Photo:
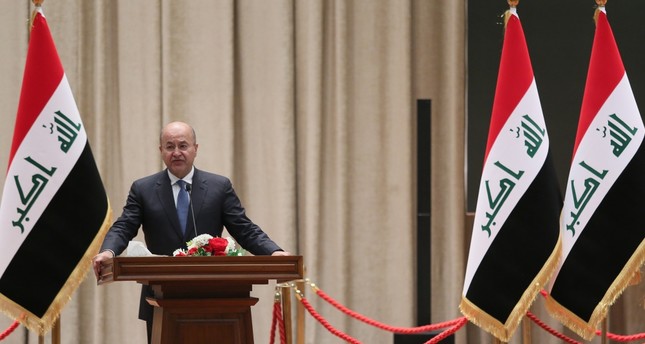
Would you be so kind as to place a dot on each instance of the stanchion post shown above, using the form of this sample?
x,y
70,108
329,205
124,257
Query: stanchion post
x,y
497,341
526,330
605,323
286,312
56,332
300,316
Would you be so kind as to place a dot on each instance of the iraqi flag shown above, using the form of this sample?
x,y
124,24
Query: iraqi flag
x,y
54,211
602,227
515,240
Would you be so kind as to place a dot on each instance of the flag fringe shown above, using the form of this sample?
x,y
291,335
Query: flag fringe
x,y
45,324
587,330
505,331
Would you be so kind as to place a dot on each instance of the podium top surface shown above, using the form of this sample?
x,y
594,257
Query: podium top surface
x,y
161,269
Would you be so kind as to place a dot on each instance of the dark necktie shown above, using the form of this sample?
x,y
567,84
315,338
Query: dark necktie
x,y
182,205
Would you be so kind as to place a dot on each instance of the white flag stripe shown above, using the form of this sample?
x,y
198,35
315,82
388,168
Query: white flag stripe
x,y
595,155
33,165
510,151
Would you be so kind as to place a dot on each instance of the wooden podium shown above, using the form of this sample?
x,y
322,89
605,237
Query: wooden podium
x,y
202,299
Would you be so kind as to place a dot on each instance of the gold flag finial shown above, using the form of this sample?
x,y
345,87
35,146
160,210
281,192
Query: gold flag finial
x,y
600,3
37,3
507,14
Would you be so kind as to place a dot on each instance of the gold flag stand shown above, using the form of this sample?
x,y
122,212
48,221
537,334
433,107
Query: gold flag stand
x,y
55,334
605,327
526,330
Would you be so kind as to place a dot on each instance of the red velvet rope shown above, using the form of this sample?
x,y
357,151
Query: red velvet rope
x,y
9,330
277,321
550,330
326,324
274,321
444,334
612,336
403,330
622,338
283,335
451,325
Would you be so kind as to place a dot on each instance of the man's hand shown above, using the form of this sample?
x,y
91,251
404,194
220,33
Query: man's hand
x,y
98,260
281,253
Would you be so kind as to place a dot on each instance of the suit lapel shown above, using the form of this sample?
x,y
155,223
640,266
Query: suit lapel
x,y
199,189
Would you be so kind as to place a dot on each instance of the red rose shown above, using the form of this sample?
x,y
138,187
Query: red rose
x,y
218,246
192,251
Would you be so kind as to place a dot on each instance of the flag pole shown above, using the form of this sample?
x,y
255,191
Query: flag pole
x,y
55,336
604,326
526,325
512,4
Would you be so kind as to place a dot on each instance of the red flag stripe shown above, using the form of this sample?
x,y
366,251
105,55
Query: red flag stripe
x,y
41,78
514,79
605,72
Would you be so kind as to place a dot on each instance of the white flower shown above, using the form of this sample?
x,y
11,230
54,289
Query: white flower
x,y
199,241
231,244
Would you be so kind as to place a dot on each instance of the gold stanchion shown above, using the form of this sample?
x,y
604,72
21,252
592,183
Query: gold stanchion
x,y
300,316
497,341
605,325
526,330
286,312
56,332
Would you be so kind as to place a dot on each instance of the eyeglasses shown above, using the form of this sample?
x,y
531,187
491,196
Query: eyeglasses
x,y
182,147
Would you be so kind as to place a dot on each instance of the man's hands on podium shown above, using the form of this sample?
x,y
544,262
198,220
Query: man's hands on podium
x,y
98,260
280,253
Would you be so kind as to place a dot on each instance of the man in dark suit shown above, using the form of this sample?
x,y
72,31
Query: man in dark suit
x,y
152,204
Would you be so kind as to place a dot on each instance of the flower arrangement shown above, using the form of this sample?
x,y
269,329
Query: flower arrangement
x,y
207,245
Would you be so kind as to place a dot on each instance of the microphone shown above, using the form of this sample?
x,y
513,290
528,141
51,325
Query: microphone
x,y
192,211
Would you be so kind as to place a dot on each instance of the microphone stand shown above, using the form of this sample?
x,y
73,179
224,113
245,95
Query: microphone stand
x,y
192,210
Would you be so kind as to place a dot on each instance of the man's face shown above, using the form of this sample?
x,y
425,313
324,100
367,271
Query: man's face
x,y
178,148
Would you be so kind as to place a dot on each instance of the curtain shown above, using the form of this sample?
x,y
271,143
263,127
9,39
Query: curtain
x,y
309,106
